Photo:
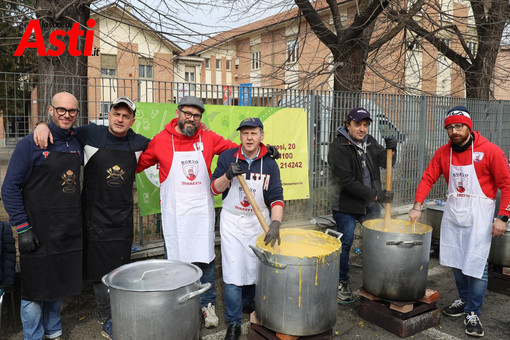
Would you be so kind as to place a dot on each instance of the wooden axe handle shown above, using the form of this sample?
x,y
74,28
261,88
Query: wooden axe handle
x,y
256,208
387,206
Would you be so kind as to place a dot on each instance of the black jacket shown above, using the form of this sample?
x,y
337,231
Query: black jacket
x,y
349,194
7,256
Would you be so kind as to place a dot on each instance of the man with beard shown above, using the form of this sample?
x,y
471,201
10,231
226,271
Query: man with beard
x,y
184,152
354,159
474,169
41,194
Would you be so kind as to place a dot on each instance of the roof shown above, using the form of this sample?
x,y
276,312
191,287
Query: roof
x,y
125,15
265,23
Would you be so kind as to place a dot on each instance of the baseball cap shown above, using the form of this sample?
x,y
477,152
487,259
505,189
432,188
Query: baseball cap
x,y
126,101
251,122
458,114
191,101
358,115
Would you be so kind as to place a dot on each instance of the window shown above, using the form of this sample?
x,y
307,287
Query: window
x,y
189,76
207,63
105,108
218,63
228,65
108,65
292,50
146,71
255,60
108,72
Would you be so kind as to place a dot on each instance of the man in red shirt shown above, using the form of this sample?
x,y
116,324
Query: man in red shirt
x,y
474,169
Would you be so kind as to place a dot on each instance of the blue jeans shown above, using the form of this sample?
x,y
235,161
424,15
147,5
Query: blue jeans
x,y
471,289
346,223
208,275
235,298
41,319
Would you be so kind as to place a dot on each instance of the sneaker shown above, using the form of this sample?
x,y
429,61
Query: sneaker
x,y
456,308
211,320
107,331
344,293
233,332
473,325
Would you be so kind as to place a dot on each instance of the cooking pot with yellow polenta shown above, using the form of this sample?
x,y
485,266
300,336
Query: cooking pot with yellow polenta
x,y
396,260
296,289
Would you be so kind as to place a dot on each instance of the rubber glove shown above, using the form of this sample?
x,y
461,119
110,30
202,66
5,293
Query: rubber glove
x,y
27,241
273,234
391,143
273,152
385,196
233,170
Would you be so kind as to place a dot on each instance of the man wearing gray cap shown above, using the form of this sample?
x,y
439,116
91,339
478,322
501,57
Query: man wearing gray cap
x,y
184,152
110,157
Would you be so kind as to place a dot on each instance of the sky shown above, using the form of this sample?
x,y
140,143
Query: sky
x,y
190,22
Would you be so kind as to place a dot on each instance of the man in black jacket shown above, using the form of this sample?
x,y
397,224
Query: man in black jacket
x,y
354,159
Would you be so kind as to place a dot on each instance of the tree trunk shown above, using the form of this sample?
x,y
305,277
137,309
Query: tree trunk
x,y
64,72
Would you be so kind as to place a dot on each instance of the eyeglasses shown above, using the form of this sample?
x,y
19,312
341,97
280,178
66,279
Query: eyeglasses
x,y
457,127
61,111
188,115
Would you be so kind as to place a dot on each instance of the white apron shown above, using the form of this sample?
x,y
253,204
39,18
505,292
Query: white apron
x,y
466,225
187,208
239,228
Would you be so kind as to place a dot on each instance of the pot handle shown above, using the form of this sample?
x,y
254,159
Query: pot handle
x,y
263,258
412,243
203,288
334,232
152,271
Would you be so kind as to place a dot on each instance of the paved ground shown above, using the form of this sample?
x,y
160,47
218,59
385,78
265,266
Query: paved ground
x,y
79,318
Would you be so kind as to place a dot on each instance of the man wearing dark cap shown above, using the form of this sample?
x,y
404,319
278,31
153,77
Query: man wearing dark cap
x,y
354,159
239,226
110,158
474,169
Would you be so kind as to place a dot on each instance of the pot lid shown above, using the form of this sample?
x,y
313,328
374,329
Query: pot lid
x,y
153,275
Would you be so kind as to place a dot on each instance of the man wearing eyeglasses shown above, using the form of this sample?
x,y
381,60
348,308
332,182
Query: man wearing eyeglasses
x,y
111,155
184,153
474,169
41,194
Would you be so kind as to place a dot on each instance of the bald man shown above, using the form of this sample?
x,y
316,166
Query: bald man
x,y
41,194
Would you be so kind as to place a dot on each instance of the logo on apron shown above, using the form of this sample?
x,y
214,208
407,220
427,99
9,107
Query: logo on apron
x,y
69,182
114,178
477,156
243,199
460,181
190,169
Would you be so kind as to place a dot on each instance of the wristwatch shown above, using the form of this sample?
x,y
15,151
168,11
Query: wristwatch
x,y
503,218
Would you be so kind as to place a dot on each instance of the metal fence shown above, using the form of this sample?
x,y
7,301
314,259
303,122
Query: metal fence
x,y
416,121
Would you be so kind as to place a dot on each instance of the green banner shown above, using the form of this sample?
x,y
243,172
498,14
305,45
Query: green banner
x,y
283,127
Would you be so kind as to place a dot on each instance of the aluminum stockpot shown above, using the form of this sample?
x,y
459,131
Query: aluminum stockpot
x,y
296,294
155,299
500,250
395,262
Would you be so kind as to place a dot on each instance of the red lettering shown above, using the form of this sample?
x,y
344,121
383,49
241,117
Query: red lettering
x,y
33,25
55,40
59,44
89,38
73,34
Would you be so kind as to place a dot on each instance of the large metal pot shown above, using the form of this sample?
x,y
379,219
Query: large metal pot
x,y
155,299
500,250
296,295
395,262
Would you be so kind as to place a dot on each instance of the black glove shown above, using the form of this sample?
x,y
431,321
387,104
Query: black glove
x,y
273,152
233,170
391,143
27,241
385,196
273,234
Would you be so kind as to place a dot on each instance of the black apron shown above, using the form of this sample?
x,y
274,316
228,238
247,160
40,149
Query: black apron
x,y
52,202
107,211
